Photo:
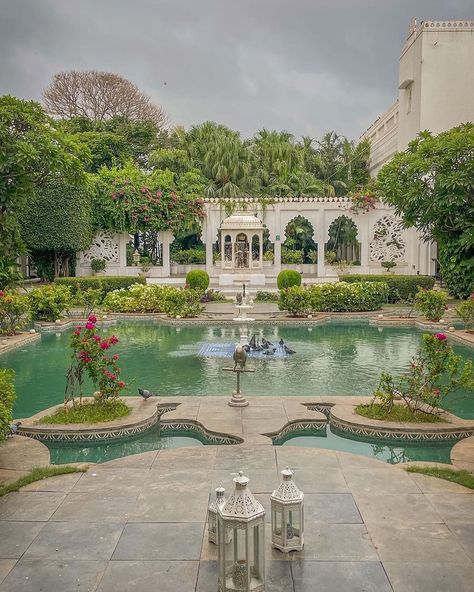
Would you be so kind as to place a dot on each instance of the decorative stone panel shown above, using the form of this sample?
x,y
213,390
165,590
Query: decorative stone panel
x,y
104,246
387,242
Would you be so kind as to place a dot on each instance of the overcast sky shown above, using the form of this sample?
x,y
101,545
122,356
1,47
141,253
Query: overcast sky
x,y
306,66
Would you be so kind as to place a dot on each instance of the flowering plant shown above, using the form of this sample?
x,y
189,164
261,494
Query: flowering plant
x,y
431,303
14,312
465,311
434,373
91,356
363,202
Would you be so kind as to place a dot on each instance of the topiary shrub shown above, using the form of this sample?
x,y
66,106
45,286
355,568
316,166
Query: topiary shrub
x,y
288,278
98,265
265,296
465,311
345,297
7,397
49,303
197,279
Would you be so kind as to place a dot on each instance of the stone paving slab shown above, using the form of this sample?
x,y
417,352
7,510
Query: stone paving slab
x,y
140,523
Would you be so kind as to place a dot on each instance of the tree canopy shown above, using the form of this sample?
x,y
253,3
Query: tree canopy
x,y
431,186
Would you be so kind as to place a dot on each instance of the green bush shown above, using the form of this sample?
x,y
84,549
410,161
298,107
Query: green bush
x,y
14,312
345,297
49,303
465,311
106,283
197,279
431,303
292,257
7,397
264,296
288,278
155,298
296,300
401,288
189,256
88,300
334,297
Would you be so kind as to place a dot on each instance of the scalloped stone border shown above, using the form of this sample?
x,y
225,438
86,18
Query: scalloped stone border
x,y
297,425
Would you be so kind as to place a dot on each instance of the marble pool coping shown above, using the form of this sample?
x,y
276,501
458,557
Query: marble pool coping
x,y
265,420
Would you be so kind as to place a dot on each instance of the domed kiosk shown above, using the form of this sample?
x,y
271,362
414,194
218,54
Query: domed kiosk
x,y
242,242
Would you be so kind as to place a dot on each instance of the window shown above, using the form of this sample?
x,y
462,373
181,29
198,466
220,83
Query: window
x,y
408,97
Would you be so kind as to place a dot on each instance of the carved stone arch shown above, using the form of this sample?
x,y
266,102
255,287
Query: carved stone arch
x,y
387,242
299,235
343,239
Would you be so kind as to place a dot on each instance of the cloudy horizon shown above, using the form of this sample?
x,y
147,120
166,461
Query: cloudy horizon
x,y
306,66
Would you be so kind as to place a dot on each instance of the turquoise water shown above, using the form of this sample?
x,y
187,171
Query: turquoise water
x,y
332,359
390,452
102,452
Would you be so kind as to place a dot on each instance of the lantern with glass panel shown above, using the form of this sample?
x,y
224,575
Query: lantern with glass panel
x,y
241,539
287,515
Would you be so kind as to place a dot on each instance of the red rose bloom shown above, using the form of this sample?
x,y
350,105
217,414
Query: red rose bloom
x,y
90,326
440,336
104,345
92,319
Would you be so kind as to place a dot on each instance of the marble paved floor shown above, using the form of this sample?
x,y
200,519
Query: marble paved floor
x,y
139,523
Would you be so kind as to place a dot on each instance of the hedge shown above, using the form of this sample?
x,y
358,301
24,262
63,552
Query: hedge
x,y
400,287
334,297
107,283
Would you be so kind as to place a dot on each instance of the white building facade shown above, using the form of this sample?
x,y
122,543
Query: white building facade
x,y
435,87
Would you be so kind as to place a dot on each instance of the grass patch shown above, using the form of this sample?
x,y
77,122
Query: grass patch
x,y
397,413
88,412
37,474
461,477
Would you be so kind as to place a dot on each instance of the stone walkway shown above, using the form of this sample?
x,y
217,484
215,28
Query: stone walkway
x,y
139,523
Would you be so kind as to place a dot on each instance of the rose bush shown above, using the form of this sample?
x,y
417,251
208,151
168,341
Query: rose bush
x,y
91,357
49,303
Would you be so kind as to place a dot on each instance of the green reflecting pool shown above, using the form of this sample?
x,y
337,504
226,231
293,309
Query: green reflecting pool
x,y
100,452
391,452
332,359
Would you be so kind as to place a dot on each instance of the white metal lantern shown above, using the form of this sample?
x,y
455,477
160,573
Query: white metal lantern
x,y
287,515
212,514
241,540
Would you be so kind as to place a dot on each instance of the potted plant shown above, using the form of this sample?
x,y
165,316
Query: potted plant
x,y
268,258
388,265
145,265
98,266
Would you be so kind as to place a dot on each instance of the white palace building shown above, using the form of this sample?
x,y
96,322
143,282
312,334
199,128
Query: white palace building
x,y
435,92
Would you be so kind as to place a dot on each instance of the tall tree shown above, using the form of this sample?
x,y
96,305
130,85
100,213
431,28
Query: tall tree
x,y
99,96
32,152
431,185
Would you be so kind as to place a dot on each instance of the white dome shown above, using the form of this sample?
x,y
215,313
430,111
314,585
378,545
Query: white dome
x,y
240,221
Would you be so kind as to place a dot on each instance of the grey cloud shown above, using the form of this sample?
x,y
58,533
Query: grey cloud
x,y
306,66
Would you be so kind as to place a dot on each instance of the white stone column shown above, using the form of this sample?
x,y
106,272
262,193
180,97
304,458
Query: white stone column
x,y
167,238
209,261
261,249
364,239
321,240
277,243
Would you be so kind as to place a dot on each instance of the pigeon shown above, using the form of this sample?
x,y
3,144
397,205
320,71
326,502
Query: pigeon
x,y
14,428
266,343
146,394
240,357
281,343
269,352
246,348
288,350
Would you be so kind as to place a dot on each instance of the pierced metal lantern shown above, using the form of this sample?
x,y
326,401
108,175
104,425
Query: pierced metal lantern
x,y
287,515
241,539
212,514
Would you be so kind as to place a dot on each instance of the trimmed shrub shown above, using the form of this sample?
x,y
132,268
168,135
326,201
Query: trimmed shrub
x,y
106,283
14,312
98,265
7,397
49,303
288,278
189,256
401,288
197,279
292,257
296,300
465,311
431,303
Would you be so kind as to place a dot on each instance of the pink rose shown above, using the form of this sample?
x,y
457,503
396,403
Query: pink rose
x,y
96,338
2,294
440,336
90,326
104,345
113,340
92,319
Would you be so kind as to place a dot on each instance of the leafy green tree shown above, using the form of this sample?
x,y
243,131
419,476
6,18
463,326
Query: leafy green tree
x,y
56,223
32,152
431,185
